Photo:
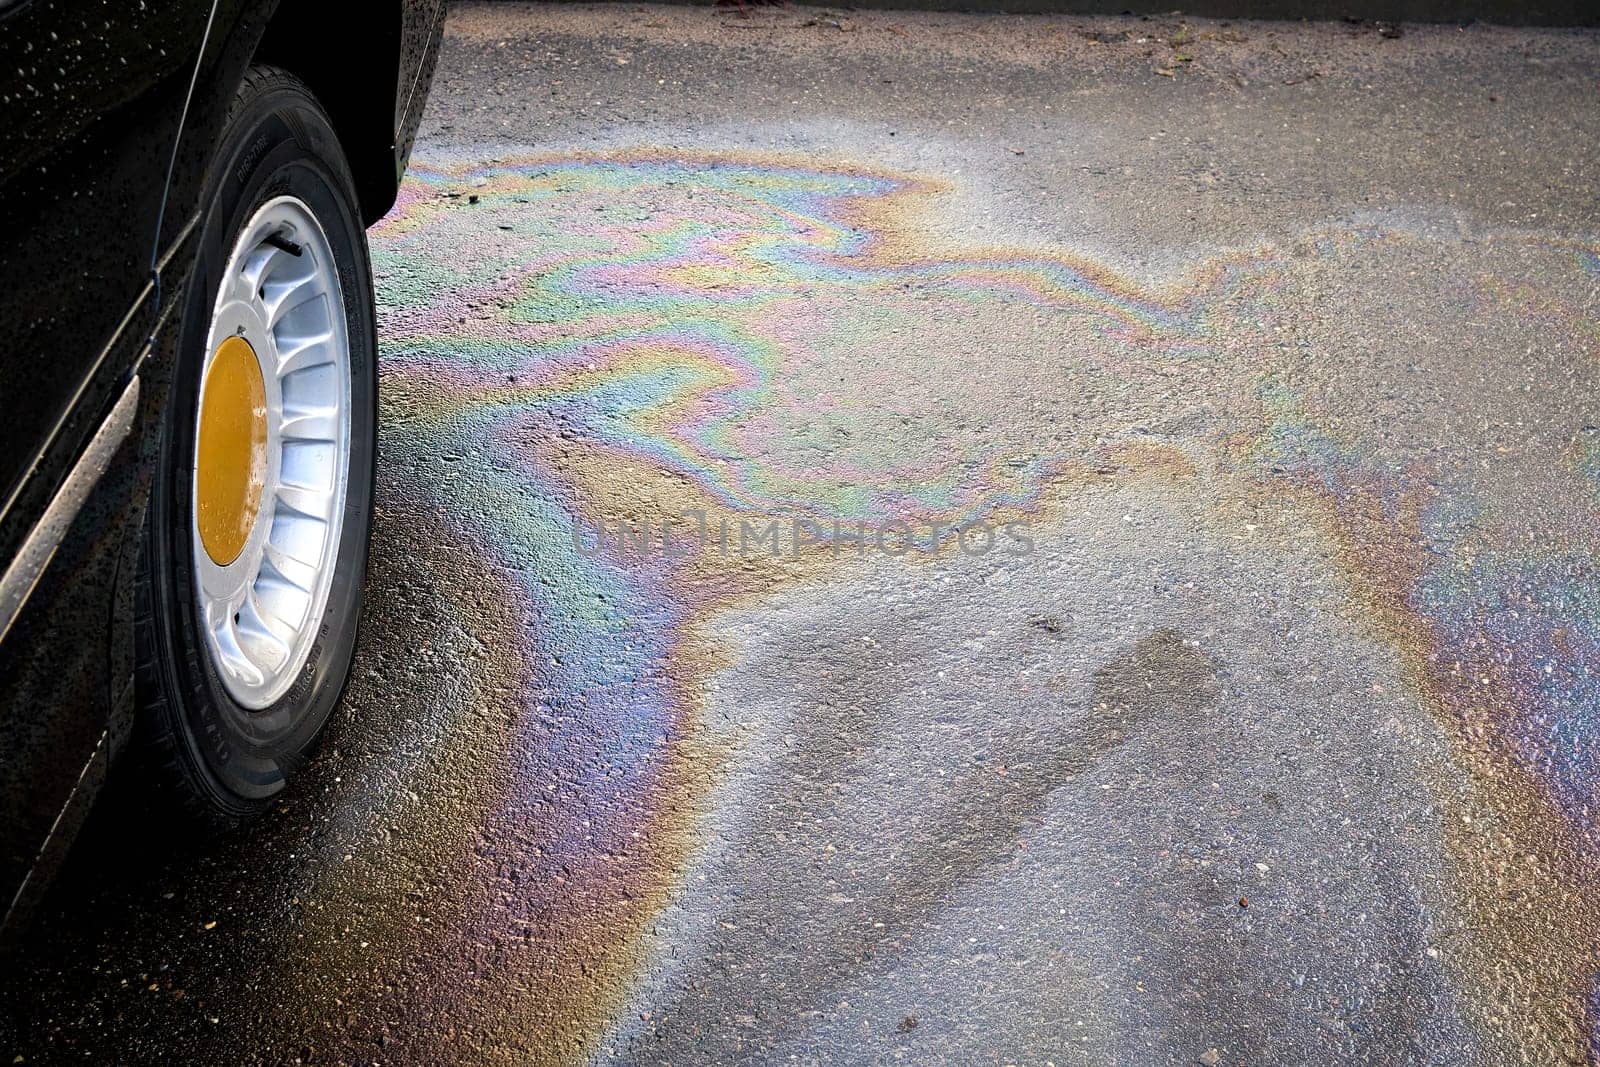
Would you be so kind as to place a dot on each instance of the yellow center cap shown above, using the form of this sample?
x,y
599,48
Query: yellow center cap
x,y
230,465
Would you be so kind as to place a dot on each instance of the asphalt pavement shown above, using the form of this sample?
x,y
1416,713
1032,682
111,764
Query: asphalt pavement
x,y
943,539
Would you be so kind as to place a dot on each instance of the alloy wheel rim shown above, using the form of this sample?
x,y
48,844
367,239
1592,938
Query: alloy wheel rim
x,y
271,467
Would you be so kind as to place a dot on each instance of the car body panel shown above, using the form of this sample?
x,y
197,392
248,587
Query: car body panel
x,y
90,101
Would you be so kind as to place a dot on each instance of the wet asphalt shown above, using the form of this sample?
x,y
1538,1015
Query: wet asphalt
x,y
942,539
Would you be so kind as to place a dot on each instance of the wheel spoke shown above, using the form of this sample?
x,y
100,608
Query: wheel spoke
x,y
287,292
278,601
295,546
315,424
249,278
234,659
305,502
297,352
258,639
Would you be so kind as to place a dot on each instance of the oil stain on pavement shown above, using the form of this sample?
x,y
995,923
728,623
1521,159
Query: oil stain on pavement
x,y
802,631
614,342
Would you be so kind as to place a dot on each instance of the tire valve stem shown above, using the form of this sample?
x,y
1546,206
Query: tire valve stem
x,y
283,244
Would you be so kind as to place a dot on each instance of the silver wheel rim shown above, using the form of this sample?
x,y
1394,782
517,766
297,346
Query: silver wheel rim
x,y
261,611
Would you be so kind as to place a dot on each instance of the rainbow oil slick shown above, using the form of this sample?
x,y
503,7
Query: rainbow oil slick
x,y
617,341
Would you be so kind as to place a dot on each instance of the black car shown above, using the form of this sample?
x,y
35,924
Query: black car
x,y
188,385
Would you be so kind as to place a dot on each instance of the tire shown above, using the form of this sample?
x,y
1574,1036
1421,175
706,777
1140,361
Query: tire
x,y
198,741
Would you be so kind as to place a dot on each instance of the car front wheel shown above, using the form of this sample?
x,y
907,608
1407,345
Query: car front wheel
x,y
256,538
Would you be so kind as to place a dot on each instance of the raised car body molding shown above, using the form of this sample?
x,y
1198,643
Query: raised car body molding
x,y
69,818
42,541
156,258
435,24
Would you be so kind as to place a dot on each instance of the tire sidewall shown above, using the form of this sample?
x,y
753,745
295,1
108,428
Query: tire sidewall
x,y
277,144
